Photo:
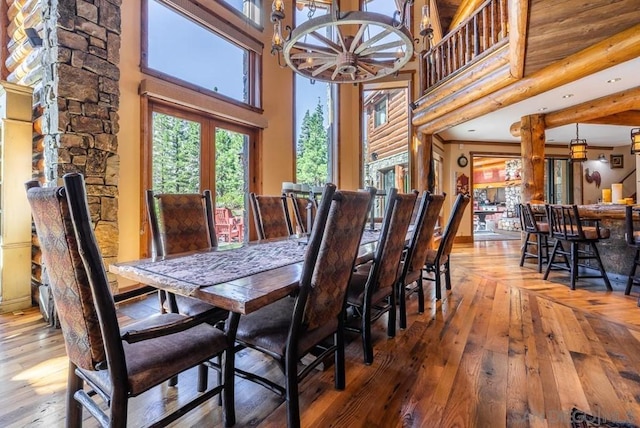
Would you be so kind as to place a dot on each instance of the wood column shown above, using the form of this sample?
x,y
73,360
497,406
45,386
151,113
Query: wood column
x,y
532,148
424,162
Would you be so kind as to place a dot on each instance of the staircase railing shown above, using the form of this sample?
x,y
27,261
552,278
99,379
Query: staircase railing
x,y
477,36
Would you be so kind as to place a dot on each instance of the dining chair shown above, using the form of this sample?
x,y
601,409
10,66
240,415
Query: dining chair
x,y
304,209
292,327
417,250
271,216
371,291
567,227
181,222
632,235
536,235
109,364
439,261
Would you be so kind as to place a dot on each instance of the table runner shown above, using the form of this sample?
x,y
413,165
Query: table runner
x,y
186,274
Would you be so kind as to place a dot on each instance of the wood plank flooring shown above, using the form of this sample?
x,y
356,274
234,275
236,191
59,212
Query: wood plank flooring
x,y
503,348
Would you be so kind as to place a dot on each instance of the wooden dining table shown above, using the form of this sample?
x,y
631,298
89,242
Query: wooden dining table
x,y
241,278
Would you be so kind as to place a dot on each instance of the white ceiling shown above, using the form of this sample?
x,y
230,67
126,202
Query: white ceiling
x,y
494,127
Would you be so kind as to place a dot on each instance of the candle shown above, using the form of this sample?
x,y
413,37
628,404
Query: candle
x,y
616,193
606,195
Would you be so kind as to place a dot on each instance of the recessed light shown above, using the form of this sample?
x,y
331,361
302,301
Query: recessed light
x,y
567,96
614,80
542,109
471,130
551,140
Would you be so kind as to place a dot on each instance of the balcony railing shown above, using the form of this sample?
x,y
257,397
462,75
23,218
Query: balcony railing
x,y
476,37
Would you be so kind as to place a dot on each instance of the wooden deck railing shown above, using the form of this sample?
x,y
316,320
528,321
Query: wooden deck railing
x,y
475,37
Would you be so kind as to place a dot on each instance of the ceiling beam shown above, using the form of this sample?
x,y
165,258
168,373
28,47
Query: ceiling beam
x,y
625,118
591,110
465,10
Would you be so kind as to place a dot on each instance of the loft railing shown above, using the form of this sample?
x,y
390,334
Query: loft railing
x,y
477,36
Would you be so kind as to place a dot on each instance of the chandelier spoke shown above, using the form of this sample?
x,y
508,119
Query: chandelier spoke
x,y
367,69
358,37
310,65
381,64
312,55
323,68
372,41
332,45
335,73
313,48
341,38
384,47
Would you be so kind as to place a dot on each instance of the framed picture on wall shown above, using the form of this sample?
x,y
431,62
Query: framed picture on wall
x,y
617,161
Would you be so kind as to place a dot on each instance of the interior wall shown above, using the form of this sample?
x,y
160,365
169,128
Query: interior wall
x,y
607,174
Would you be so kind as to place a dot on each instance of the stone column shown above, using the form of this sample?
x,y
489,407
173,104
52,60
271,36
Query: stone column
x,y
80,99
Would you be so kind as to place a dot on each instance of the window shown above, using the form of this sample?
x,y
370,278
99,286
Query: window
x,y
315,106
189,151
249,8
380,114
200,50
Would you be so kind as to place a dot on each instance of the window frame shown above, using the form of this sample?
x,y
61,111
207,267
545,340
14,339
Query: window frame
x,y
383,102
208,19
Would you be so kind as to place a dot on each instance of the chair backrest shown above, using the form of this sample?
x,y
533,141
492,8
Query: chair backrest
x,y
271,216
451,229
564,222
184,222
416,207
331,254
428,214
301,210
630,230
392,240
527,218
77,276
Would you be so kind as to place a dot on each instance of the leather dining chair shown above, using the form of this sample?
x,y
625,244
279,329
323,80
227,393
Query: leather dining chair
x,y
271,216
107,364
427,216
372,287
439,261
566,227
181,222
294,326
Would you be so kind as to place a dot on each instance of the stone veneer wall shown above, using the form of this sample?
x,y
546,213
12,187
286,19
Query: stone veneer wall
x,y
80,105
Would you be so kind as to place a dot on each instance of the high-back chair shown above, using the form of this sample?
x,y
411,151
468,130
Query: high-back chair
x,y
632,235
438,262
271,216
292,327
536,235
426,219
372,287
113,364
304,210
567,227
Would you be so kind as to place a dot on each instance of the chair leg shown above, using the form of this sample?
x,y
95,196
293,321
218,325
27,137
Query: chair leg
x,y
403,305
632,274
119,405
594,248
391,323
539,251
574,264
228,372
438,278
74,409
293,405
420,294
447,275
524,248
551,259
203,377
340,373
367,346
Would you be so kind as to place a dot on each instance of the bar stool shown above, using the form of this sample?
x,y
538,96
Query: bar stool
x,y
532,228
632,236
566,225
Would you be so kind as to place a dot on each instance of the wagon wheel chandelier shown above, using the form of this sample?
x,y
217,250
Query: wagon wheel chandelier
x,y
344,47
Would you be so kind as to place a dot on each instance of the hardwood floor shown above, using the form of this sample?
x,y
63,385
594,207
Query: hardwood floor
x,y
503,348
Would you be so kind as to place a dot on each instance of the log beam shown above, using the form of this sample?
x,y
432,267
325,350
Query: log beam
x,y
619,48
592,110
532,149
625,118
518,20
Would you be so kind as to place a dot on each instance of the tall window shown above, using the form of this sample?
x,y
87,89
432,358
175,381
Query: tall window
x,y
249,8
314,109
187,50
380,113
188,152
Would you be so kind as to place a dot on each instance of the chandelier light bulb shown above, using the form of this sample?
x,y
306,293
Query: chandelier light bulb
x,y
425,22
277,10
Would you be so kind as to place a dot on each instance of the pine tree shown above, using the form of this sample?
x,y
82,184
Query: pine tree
x,y
312,164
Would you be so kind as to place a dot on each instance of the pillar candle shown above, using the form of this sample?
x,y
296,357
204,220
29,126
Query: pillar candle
x,y
606,195
616,192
